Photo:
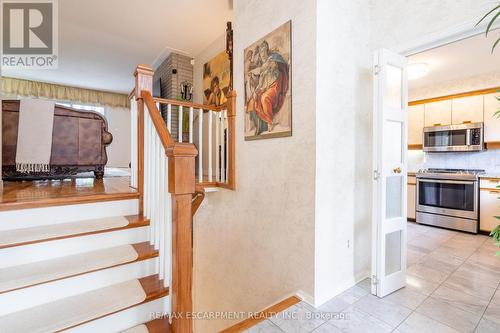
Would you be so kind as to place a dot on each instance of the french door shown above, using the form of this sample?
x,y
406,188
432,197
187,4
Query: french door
x,y
389,218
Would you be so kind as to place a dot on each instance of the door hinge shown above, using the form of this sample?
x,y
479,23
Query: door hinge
x,y
374,280
376,69
376,175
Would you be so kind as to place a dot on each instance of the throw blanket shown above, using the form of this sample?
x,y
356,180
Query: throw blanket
x,y
34,136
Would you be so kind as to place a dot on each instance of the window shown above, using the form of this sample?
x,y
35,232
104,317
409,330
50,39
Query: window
x,y
98,109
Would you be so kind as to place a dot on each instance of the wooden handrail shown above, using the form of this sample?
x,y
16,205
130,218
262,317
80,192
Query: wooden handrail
x,y
198,197
189,104
158,122
131,94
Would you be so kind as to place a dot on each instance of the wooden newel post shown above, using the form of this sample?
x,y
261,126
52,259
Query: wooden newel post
x,y
181,184
143,82
231,129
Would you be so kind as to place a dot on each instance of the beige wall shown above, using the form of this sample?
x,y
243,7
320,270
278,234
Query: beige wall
x,y
343,147
216,47
119,125
255,246
300,219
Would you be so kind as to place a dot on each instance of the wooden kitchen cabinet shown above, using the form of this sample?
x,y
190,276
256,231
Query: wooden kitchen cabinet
x,y
491,124
489,208
467,109
412,192
415,124
438,113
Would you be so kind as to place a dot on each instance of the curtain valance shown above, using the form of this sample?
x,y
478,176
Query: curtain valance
x,y
28,88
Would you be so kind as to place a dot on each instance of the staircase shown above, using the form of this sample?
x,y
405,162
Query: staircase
x,y
93,271
119,262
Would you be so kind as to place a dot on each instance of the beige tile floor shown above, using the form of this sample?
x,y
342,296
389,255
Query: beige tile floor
x,y
452,286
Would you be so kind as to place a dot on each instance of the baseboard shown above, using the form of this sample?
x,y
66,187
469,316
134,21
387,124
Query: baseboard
x,y
262,315
340,289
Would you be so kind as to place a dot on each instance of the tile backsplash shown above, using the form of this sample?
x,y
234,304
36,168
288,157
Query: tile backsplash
x,y
488,160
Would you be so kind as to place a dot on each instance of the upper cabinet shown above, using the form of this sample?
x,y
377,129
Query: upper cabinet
x,y
467,109
491,124
438,113
416,124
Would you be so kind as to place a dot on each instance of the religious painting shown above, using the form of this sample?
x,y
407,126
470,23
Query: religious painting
x,y
268,93
216,77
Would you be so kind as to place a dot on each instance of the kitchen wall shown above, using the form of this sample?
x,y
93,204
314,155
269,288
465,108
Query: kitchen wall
x,y
476,82
255,246
488,160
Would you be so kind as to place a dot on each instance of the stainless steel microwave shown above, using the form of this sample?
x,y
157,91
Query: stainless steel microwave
x,y
463,137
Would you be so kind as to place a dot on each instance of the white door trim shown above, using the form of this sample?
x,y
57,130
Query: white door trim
x,y
441,38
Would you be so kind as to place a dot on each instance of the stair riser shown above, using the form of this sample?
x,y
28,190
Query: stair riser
x,y
32,296
25,218
20,255
124,319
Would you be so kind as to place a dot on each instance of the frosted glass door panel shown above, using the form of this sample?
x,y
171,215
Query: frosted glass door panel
x,y
393,252
394,87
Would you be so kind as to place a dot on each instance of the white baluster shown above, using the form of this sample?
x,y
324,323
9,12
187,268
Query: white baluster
x,y
180,124
217,147
169,117
157,189
191,124
210,140
133,142
168,234
150,169
223,148
146,162
200,146
227,142
162,221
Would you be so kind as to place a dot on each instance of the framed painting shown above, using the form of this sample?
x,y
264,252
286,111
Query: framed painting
x,y
268,93
216,79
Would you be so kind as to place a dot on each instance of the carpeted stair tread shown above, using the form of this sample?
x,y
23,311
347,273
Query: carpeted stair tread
x,y
79,309
24,236
26,275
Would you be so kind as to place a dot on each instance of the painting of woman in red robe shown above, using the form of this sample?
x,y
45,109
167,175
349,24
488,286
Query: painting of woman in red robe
x,y
267,86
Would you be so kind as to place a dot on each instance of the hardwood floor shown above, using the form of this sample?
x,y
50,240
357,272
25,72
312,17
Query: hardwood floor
x,y
42,193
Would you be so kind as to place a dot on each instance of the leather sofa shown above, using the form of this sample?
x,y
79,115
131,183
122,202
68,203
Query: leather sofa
x,y
79,141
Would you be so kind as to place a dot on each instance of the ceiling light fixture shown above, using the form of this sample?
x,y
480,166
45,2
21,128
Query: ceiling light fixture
x,y
418,70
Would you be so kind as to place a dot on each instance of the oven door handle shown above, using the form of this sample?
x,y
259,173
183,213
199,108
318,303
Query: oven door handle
x,y
466,182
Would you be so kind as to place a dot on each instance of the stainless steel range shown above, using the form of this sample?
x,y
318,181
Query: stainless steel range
x,y
448,198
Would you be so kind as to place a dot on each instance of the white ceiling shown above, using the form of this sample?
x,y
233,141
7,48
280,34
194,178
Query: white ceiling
x,y
101,41
462,59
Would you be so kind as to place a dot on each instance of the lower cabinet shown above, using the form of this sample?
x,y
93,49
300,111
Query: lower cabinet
x,y
489,208
411,197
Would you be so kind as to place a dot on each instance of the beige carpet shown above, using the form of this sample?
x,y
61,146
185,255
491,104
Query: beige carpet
x,y
137,329
30,274
71,311
10,237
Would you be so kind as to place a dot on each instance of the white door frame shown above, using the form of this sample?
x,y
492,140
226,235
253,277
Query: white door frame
x,y
438,39
447,36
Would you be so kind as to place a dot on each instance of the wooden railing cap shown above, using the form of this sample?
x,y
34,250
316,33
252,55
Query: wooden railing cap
x,y
231,93
143,69
182,149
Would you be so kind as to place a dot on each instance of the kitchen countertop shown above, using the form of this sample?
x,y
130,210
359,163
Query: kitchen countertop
x,y
495,175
